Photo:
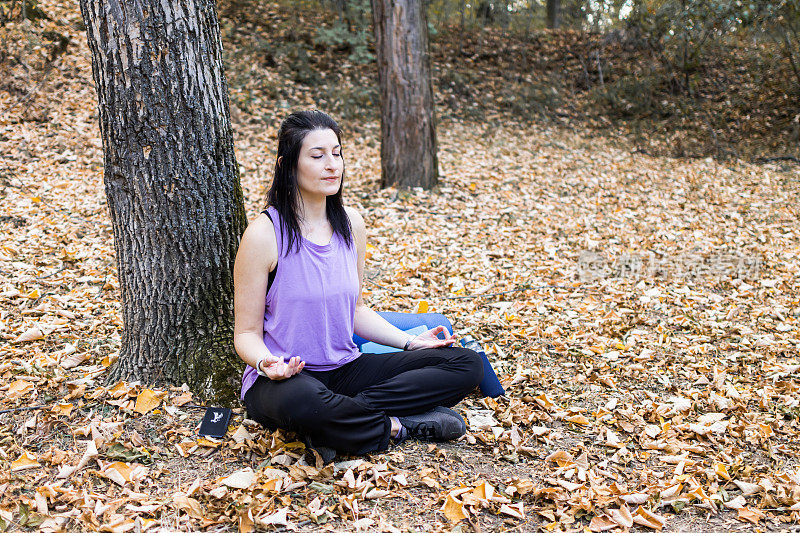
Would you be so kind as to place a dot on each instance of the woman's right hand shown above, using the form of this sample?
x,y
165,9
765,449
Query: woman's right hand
x,y
277,369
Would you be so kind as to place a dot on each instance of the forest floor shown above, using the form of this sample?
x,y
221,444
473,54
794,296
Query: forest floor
x,y
642,312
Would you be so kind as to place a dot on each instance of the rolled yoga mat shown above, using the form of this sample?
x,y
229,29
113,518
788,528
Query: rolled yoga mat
x,y
414,324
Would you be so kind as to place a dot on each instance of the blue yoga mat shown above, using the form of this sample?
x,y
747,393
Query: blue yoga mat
x,y
414,324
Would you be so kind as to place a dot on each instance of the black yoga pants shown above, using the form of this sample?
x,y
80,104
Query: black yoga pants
x,y
348,408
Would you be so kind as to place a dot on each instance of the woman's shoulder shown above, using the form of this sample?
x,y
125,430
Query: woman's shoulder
x,y
356,220
260,232
357,225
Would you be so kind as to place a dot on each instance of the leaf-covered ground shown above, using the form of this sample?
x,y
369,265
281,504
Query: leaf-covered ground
x,y
642,313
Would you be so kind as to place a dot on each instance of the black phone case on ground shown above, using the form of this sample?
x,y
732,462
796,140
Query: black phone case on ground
x,y
215,422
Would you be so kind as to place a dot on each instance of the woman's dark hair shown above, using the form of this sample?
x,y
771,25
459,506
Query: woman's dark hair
x,y
284,194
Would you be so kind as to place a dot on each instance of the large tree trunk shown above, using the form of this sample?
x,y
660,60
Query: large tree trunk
x,y
173,188
553,13
408,128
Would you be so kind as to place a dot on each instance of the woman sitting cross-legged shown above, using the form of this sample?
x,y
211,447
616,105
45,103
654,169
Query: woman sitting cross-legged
x,y
298,277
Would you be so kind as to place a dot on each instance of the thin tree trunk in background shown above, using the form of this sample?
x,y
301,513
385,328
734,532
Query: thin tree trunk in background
x,y
530,20
172,186
408,128
685,48
553,13
788,50
783,34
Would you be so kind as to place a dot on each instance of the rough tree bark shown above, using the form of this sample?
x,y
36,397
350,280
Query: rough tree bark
x,y
408,127
553,13
172,186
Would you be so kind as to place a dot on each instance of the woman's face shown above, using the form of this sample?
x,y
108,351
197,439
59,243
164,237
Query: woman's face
x,y
319,165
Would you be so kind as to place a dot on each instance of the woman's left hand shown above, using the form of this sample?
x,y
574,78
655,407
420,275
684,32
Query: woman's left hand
x,y
430,339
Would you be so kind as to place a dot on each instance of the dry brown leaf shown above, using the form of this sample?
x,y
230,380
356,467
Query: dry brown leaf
x,y
241,479
147,400
19,388
483,491
646,518
635,499
246,523
25,461
750,514
118,472
622,516
736,503
748,489
516,510
560,457
188,505
74,359
31,334
278,518
453,509
602,523
241,435
90,453
578,419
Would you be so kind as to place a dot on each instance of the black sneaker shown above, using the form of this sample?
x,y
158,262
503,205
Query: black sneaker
x,y
439,424
326,454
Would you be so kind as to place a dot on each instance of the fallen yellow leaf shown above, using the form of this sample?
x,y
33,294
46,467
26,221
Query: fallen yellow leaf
x,y
545,402
516,510
62,409
601,523
578,419
646,518
118,472
750,515
119,390
203,441
561,458
722,471
147,401
484,491
25,462
453,509
189,505
622,516
18,388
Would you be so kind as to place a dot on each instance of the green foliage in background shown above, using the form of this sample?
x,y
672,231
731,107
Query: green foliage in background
x,y
20,10
350,33
721,71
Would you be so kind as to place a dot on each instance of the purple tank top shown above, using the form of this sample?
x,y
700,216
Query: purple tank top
x,y
310,306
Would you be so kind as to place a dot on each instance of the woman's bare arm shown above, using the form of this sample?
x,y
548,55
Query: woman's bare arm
x,y
256,257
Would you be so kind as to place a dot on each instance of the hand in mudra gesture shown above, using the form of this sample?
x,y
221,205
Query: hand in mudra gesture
x,y
430,339
277,369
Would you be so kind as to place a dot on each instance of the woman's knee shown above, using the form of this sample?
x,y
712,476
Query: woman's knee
x,y
471,363
295,402
306,413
